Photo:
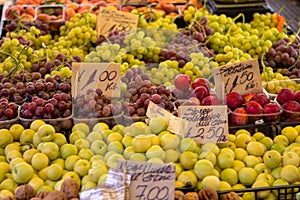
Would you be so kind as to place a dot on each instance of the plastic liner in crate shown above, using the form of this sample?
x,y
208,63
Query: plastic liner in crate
x,y
8,123
91,122
284,192
61,125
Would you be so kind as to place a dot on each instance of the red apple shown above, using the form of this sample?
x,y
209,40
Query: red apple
x,y
192,101
271,108
239,117
284,95
182,81
200,92
211,99
234,100
297,96
248,97
261,98
201,82
253,107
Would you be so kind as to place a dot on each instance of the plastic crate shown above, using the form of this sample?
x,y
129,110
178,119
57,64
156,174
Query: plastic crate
x,y
285,192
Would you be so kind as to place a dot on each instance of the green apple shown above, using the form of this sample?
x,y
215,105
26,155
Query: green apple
x,y
60,162
290,132
67,150
281,139
158,124
267,141
272,159
93,136
171,155
99,147
296,150
14,162
70,162
54,172
97,171
100,127
12,146
247,176
108,154
154,139
81,127
255,148
240,153
102,180
36,124
39,161
258,136
248,195
95,162
88,185
127,140
36,183
73,175
266,177
2,159
229,175
203,168
85,153
105,134
50,183
225,160
141,143
58,184
75,135
290,173
85,179
279,182
114,136
187,144
45,188
238,165
162,134
4,166
278,147
112,160
138,157
138,128
59,139
5,137
128,151
115,146
210,147
46,132
225,186
9,184
209,156
227,150
155,151
6,193
156,160
264,193
82,143
43,173
188,177
251,161
13,154
50,149
22,172
262,168
81,167
276,172
211,181
169,141
290,158
242,140
36,140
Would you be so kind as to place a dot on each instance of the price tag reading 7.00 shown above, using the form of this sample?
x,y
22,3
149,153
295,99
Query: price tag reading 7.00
x,y
97,75
205,123
243,77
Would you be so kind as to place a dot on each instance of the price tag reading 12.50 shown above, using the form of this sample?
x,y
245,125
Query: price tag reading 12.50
x,y
242,77
111,20
105,76
205,123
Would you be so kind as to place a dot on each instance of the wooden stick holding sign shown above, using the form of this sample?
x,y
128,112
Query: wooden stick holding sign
x,y
110,20
242,77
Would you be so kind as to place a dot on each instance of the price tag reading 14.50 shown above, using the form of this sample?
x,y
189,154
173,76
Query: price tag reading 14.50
x,y
242,77
205,123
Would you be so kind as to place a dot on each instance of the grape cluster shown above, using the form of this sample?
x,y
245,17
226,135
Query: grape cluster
x,y
283,54
114,37
192,14
8,110
164,73
12,92
264,21
231,55
133,78
94,104
135,104
203,64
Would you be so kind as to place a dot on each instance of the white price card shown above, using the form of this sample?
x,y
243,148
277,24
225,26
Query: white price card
x,y
150,180
205,123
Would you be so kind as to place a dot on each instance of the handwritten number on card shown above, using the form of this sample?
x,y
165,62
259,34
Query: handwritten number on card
x,y
155,193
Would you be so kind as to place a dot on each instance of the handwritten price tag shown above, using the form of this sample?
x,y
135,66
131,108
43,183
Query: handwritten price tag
x,y
243,77
150,180
154,110
105,76
205,123
110,20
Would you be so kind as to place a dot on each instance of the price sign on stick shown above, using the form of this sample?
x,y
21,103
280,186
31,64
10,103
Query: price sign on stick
x,y
111,20
205,123
242,77
150,181
105,76
153,110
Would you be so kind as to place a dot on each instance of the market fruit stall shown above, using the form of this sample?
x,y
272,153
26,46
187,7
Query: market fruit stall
x,y
205,103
